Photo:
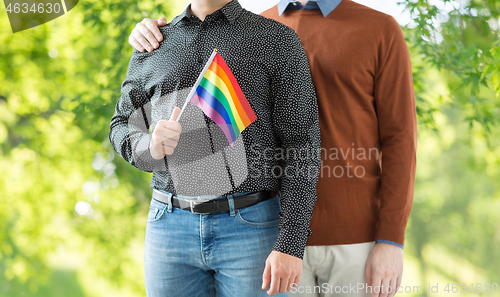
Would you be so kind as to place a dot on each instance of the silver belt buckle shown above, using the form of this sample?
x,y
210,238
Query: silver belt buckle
x,y
193,203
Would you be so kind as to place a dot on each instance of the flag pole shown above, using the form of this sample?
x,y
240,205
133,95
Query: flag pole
x,y
193,90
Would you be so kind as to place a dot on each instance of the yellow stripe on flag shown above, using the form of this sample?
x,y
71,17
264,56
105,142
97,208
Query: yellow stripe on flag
x,y
217,81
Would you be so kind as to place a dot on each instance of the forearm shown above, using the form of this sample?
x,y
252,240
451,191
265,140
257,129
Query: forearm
x,y
299,179
397,186
129,128
134,147
296,214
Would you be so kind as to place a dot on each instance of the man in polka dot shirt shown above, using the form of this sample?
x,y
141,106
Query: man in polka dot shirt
x,y
362,74
216,224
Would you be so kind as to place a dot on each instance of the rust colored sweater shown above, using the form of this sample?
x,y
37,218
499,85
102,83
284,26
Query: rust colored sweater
x,y
361,69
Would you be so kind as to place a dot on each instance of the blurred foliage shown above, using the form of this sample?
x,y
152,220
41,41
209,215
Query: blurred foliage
x,y
62,189
456,56
54,121
461,38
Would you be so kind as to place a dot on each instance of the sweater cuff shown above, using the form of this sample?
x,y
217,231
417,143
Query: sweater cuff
x,y
291,241
389,242
391,231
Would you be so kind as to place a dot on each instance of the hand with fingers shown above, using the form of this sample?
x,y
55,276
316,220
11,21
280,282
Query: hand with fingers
x,y
146,34
281,273
384,270
165,136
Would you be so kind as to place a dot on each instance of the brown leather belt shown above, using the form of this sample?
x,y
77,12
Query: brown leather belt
x,y
214,206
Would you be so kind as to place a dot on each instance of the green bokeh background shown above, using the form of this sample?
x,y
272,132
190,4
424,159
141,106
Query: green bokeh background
x,y
59,83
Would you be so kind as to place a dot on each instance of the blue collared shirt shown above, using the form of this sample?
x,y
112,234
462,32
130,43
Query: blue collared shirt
x,y
326,6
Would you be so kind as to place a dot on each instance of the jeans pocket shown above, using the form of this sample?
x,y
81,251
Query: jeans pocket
x,y
157,211
263,214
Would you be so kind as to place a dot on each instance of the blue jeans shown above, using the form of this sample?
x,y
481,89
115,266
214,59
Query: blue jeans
x,y
206,255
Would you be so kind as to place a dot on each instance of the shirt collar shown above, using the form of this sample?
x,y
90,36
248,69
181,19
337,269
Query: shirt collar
x,y
326,6
231,11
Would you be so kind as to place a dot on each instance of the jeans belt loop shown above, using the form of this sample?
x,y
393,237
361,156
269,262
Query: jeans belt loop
x,y
170,202
230,200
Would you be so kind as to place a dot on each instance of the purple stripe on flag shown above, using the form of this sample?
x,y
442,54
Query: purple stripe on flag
x,y
214,115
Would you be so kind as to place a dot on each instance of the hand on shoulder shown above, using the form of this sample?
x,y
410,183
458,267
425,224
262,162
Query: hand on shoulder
x,y
147,35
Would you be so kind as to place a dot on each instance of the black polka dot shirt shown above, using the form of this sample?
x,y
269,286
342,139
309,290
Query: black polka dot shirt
x,y
278,151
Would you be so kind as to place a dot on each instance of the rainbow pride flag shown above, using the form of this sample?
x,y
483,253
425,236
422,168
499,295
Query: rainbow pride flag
x,y
220,97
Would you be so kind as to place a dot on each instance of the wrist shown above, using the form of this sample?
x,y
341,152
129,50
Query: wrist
x,y
153,151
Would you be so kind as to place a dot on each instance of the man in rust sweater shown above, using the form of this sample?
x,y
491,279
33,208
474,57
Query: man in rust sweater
x,y
361,70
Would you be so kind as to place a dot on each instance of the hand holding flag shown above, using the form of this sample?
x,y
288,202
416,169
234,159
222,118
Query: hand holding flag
x,y
165,136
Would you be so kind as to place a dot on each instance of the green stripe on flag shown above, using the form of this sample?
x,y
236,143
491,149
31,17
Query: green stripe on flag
x,y
219,95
